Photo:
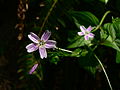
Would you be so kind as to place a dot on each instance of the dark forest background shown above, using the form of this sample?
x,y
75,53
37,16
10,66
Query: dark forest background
x,y
67,74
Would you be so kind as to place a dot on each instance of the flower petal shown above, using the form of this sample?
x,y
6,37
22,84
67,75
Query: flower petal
x,y
33,68
91,35
31,47
83,29
86,37
80,33
33,37
43,53
50,44
89,29
46,35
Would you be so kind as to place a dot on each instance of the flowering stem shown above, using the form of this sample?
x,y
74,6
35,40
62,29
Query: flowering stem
x,y
103,71
97,60
48,14
102,68
64,50
104,16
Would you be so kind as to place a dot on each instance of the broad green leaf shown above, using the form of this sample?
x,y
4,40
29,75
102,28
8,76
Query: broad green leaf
x,y
109,42
110,28
111,33
117,42
84,18
104,1
115,20
118,57
103,34
84,53
77,43
116,25
76,22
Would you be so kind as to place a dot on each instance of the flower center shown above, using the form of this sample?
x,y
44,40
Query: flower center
x,y
41,43
87,32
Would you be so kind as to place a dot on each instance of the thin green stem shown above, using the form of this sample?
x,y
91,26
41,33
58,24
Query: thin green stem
x,y
104,71
97,60
48,14
64,50
103,18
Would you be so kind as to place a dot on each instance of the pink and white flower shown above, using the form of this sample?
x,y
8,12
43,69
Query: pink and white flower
x,y
40,43
86,32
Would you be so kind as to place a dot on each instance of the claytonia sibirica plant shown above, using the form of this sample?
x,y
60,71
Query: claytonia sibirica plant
x,y
33,68
40,44
86,32
43,43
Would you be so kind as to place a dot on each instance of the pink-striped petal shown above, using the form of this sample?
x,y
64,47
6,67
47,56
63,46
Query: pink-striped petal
x,y
33,37
89,29
31,47
91,35
86,37
46,35
43,53
83,29
50,44
33,68
80,33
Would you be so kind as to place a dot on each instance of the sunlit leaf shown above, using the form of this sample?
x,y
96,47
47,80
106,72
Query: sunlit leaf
x,y
77,43
111,31
109,42
104,1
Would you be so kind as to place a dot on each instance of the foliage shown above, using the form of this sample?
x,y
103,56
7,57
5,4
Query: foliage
x,y
64,21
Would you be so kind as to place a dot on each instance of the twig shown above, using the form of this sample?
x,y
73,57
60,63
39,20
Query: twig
x,y
48,14
104,16
104,71
64,50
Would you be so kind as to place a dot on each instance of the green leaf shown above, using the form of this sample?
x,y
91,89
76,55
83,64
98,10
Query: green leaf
x,y
84,53
109,42
103,34
84,18
76,22
77,43
116,25
110,34
117,42
118,57
110,28
104,1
